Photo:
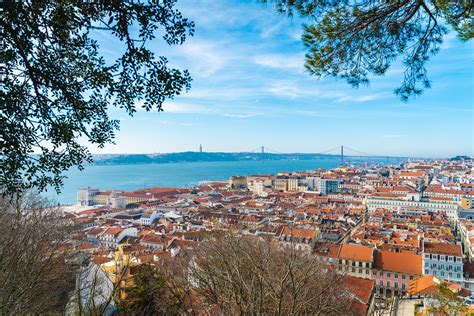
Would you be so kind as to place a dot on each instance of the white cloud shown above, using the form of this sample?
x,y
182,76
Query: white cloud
x,y
448,40
203,57
208,109
363,98
271,30
183,108
293,62
294,90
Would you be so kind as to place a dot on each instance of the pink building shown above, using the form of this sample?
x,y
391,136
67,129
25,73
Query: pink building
x,y
393,271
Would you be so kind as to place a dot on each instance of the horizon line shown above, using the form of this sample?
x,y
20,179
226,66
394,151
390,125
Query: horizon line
x,y
282,153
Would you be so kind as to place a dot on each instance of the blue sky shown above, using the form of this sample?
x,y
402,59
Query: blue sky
x,y
250,89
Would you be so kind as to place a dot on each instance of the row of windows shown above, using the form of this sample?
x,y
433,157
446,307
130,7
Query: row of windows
x,y
353,269
394,286
421,204
442,257
389,275
355,263
443,267
374,273
443,274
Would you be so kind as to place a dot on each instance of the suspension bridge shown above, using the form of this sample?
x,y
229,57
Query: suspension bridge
x,y
344,152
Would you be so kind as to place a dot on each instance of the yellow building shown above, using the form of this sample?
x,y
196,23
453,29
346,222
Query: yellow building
x,y
120,270
236,182
466,203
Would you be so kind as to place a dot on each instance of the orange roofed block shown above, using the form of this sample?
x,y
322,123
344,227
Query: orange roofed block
x,y
443,249
356,252
401,262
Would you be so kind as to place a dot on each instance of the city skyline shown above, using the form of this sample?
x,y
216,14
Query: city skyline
x,y
249,89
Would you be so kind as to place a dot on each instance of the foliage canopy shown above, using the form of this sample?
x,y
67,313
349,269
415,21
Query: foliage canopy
x,y
353,39
56,86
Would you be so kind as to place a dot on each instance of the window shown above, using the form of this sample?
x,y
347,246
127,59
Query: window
x,y
388,283
403,286
459,275
374,273
450,258
396,285
388,274
442,258
381,273
353,270
360,264
411,277
396,275
403,277
360,271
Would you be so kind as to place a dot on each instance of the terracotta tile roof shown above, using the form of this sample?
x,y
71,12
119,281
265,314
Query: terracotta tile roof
x,y
361,288
113,231
154,239
440,198
356,252
100,260
402,262
298,232
443,249
423,285
444,191
86,246
326,249
357,308
84,220
95,231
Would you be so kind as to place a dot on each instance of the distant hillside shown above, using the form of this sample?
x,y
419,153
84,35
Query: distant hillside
x,y
459,158
196,157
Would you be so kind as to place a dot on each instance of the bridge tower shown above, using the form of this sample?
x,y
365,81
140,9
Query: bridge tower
x,y
342,154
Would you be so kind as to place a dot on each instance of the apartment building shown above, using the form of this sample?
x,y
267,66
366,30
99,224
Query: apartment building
x,y
443,261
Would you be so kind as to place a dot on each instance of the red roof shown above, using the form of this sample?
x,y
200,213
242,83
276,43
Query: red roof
x,y
402,262
443,249
356,252
359,287
113,231
362,290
